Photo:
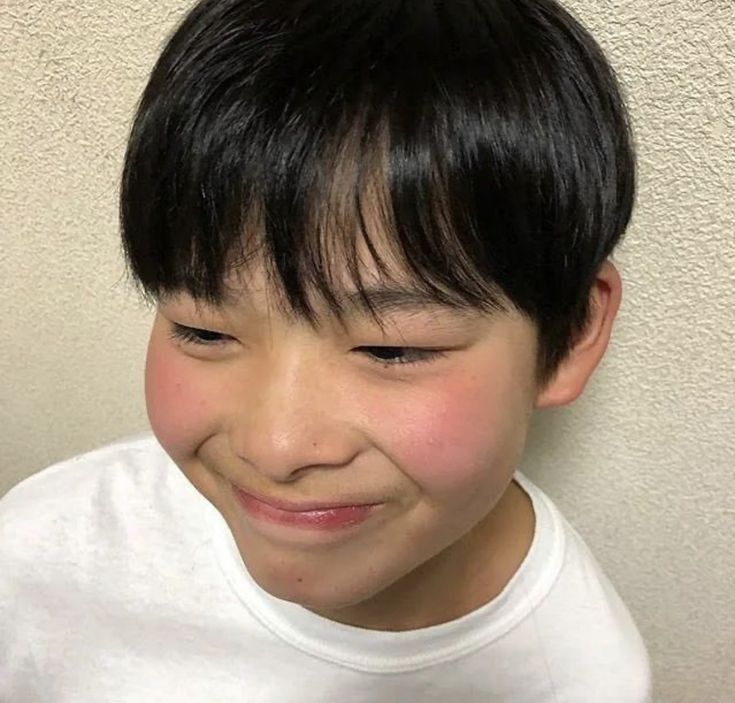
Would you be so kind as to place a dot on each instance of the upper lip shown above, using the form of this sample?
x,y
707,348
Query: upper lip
x,y
309,505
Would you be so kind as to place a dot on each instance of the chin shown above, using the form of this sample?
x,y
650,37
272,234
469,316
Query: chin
x,y
320,593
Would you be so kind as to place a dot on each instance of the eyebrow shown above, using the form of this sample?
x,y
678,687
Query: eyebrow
x,y
385,300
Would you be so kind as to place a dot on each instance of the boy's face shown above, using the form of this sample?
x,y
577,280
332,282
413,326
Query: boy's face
x,y
298,414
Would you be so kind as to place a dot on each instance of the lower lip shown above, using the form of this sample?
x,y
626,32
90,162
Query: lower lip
x,y
330,519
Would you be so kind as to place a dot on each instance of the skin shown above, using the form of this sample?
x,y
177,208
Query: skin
x,y
300,414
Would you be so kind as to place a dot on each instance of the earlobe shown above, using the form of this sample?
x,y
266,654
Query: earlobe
x,y
577,368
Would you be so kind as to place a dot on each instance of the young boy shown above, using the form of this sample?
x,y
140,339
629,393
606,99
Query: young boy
x,y
376,234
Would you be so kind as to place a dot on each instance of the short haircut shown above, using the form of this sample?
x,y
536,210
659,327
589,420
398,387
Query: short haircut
x,y
489,138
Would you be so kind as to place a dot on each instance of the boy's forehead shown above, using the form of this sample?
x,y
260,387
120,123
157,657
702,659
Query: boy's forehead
x,y
360,263
251,288
249,292
348,273
385,283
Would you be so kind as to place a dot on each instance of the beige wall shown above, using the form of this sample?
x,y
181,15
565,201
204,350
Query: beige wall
x,y
642,465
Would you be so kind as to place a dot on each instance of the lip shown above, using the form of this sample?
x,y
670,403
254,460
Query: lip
x,y
290,507
323,516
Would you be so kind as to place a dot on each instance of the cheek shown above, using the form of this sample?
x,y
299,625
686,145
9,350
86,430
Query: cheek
x,y
460,433
176,400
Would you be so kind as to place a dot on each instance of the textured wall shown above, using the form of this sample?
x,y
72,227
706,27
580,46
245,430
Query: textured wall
x,y
642,464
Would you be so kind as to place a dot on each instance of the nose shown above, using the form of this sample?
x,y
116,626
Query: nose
x,y
291,418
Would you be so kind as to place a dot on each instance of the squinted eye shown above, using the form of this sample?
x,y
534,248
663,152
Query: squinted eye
x,y
394,356
192,335
383,355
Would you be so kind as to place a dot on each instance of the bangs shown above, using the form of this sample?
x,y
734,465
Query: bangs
x,y
338,196
478,150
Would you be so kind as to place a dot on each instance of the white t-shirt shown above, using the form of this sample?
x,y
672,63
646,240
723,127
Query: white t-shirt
x,y
119,582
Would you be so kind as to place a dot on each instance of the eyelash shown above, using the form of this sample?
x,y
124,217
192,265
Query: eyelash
x,y
192,335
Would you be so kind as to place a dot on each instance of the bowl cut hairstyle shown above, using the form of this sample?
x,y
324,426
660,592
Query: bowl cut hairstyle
x,y
484,143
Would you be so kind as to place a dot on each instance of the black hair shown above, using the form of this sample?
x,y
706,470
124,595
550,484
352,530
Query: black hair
x,y
489,138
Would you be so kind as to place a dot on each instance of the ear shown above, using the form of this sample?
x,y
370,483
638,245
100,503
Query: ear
x,y
573,373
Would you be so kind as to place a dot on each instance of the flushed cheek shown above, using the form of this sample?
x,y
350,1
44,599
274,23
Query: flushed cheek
x,y
178,409
457,437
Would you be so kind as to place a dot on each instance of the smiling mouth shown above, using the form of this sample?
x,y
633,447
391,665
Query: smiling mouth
x,y
308,506
320,517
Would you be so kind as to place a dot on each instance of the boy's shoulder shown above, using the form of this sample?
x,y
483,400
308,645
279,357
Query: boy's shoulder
x,y
574,614
78,477
109,494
